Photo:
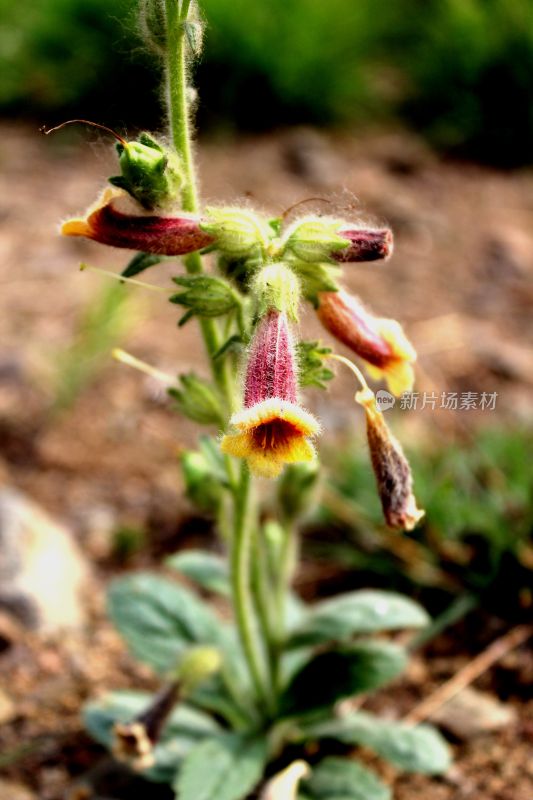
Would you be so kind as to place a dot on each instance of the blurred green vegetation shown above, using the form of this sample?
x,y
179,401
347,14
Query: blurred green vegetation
x,y
477,536
458,70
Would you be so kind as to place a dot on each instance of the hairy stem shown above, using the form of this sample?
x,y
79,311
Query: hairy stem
x,y
180,130
240,581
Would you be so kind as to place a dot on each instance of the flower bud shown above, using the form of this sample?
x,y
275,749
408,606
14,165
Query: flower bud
x,y
364,245
198,400
391,468
196,666
169,236
295,489
239,233
284,785
151,173
380,342
204,296
272,428
276,286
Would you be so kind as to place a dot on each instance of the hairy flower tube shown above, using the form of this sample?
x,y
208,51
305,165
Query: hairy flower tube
x,y
391,468
365,244
380,342
272,429
168,236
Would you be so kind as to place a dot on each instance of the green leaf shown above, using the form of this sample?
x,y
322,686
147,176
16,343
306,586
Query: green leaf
x,y
184,729
311,369
159,619
140,262
418,748
226,767
366,611
341,779
207,569
340,673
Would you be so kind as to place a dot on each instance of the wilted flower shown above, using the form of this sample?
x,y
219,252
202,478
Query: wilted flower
x,y
168,236
273,429
391,468
380,342
133,741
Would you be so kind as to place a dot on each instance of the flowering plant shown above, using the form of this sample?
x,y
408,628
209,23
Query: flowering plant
x,y
244,704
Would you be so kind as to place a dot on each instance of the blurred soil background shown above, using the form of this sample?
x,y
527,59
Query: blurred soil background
x,y
95,445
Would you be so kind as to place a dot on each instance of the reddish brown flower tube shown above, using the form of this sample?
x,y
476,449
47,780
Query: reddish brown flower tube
x,y
167,236
365,245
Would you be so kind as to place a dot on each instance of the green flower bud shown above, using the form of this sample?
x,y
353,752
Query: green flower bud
x,y
196,666
239,233
198,400
205,296
295,489
151,173
202,487
311,369
314,240
276,286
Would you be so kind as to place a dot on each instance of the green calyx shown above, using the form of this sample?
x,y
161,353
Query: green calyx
x,y
205,296
314,240
311,370
239,233
277,286
202,487
151,173
198,400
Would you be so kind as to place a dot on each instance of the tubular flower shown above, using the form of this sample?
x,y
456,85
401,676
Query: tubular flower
x,y
365,245
391,468
380,342
168,236
272,429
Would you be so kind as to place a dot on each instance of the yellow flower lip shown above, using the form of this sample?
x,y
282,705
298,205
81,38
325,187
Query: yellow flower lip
x,y
270,434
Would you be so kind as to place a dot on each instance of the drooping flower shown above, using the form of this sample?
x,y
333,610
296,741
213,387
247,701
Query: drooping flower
x,y
163,235
272,429
380,342
320,239
391,468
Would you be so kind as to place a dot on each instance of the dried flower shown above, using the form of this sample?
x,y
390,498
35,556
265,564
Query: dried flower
x,y
380,342
273,429
134,741
391,468
169,236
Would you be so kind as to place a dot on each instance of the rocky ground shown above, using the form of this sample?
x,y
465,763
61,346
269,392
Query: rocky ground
x,y
105,466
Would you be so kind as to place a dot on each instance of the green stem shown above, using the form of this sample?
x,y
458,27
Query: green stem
x,y
287,563
240,581
180,130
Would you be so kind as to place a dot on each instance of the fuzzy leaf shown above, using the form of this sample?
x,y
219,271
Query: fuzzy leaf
x,y
225,767
341,779
207,569
366,611
159,619
184,729
333,675
418,748
311,369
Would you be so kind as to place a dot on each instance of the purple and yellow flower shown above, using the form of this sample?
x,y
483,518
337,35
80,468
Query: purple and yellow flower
x,y
380,342
272,429
104,222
